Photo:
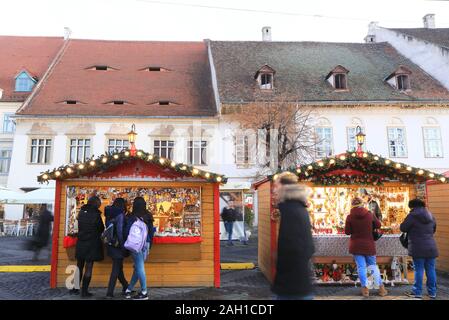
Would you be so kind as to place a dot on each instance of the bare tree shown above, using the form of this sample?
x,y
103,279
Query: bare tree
x,y
285,132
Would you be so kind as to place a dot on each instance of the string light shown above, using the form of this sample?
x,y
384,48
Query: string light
x,y
81,166
195,171
353,154
92,163
115,156
150,157
342,158
409,168
376,158
398,165
442,179
387,161
139,153
127,153
161,160
104,160
183,168
431,175
207,175
173,164
421,171
331,161
69,170
218,179
321,164
309,167
57,173
298,170
45,176
275,177
365,155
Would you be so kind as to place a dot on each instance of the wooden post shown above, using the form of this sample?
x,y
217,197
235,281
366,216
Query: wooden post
x,y
55,239
216,235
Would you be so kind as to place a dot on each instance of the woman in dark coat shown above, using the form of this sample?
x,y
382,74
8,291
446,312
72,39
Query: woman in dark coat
x,y
359,225
89,247
115,215
295,243
43,230
420,226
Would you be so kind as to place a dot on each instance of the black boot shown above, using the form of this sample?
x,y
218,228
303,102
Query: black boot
x,y
85,288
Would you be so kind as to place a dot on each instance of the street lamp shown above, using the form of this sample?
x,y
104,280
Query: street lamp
x,y
360,136
132,140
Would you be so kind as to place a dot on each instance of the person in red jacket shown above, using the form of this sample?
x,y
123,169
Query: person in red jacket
x,y
359,225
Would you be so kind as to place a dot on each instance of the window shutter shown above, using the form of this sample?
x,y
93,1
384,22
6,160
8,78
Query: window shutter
x,y
239,142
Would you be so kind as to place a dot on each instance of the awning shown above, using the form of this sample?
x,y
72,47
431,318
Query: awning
x,y
42,195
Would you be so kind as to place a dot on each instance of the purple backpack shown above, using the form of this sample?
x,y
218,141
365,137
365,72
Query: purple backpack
x,y
137,236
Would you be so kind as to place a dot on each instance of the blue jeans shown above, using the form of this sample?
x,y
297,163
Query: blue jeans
x,y
229,225
363,263
139,270
428,265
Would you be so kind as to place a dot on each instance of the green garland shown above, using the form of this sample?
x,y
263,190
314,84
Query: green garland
x,y
108,160
376,169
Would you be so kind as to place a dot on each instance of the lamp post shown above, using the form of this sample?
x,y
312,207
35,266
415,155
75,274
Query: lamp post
x,y
360,136
132,140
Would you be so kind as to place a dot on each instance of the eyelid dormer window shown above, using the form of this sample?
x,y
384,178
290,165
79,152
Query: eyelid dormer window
x,y
265,77
338,78
101,68
400,79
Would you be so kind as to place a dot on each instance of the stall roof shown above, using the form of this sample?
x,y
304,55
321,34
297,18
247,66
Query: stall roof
x,y
107,162
365,168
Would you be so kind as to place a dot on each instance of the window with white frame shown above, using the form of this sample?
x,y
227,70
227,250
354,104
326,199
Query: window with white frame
x,y
266,81
196,152
8,124
79,150
242,152
164,148
117,145
351,133
397,143
433,146
324,142
40,151
5,160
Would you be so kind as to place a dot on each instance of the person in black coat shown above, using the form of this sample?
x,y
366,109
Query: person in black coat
x,y
420,225
89,247
295,243
115,216
43,230
229,215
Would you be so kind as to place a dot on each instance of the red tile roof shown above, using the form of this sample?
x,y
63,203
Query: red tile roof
x,y
32,54
185,80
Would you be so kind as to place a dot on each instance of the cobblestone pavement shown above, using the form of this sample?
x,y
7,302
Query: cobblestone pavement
x,y
236,284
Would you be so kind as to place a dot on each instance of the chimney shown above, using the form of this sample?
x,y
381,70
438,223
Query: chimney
x,y
372,27
266,34
429,21
67,33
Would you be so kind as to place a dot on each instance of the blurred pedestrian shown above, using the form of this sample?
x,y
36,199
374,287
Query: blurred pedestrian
x,y
43,231
420,225
360,224
373,206
295,244
139,212
115,219
89,247
229,215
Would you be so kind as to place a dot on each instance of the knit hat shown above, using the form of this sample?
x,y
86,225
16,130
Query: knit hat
x,y
357,202
288,178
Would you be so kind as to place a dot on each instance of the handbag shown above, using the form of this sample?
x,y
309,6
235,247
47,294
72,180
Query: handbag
x,y
69,242
376,233
404,239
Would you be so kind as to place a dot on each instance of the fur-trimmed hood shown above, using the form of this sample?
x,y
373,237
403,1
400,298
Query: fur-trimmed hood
x,y
293,192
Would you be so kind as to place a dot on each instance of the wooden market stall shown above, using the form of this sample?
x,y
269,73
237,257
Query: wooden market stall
x,y
334,181
184,201
438,203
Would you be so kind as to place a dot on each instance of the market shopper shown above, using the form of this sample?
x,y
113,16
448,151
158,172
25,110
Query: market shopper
x,y
89,247
229,215
373,206
139,211
295,243
359,225
420,225
43,231
115,218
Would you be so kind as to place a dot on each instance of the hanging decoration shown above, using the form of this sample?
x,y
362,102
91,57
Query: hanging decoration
x,y
360,169
109,160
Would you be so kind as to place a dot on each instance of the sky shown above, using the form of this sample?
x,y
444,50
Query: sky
x,y
181,20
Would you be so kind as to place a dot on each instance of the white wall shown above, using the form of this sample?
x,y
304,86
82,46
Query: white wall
x,y
430,57
6,139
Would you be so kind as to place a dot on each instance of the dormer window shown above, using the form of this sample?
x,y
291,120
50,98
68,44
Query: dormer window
x,y
400,79
164,103
101,68
118,102
155,69
338,78
403,82
265,77
24,82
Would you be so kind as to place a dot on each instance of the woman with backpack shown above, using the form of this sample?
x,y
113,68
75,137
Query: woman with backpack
x,y
115,219
360,224
420,225
139,247
89,247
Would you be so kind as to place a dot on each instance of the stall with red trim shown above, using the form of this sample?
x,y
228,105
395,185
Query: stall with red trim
x,y
184,202
334,182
